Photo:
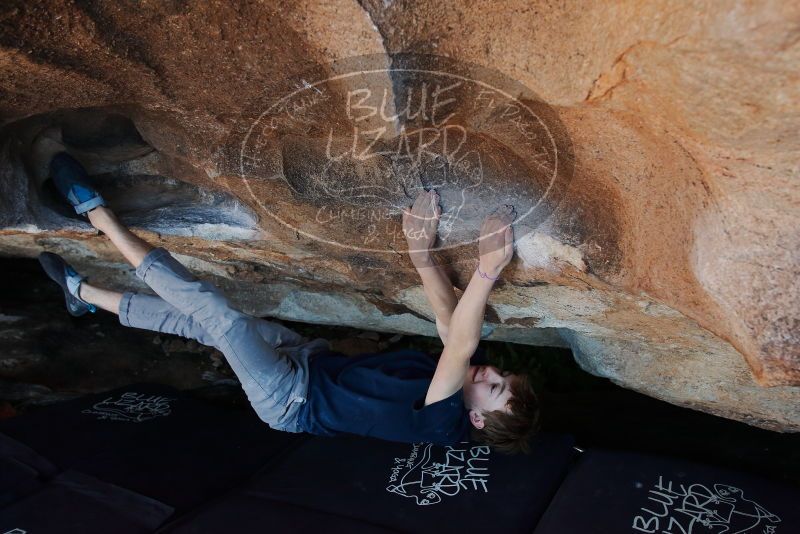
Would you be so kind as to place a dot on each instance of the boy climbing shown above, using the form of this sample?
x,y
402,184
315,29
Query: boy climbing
x,y
297,385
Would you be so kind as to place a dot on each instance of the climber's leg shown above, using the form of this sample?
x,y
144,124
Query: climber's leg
x,y
104,299
168,278
275,384
172,282
143,311
75,185
132,247
149,312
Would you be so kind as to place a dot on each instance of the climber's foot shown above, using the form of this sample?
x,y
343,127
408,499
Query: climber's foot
x,y
65,276
72,181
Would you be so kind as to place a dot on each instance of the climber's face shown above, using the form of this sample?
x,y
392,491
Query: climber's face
x,y
486,389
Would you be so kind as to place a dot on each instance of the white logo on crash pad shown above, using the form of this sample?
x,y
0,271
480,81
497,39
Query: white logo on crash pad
x,y
688,509
430,474
131,407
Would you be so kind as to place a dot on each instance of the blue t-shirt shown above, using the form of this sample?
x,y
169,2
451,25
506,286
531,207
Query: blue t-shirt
x,y
380,395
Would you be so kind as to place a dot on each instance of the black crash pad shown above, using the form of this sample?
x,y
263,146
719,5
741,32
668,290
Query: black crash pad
x,y
244,513
74,503
394,486
153,440
22,470
611,491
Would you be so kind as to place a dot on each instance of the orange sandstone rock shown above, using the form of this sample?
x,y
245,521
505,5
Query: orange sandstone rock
x,y
666,256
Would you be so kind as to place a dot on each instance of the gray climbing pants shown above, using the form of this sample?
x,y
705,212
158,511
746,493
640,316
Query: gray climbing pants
x,y
270,360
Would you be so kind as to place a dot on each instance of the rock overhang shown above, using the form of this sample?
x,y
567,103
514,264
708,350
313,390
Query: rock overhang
x,y
668,259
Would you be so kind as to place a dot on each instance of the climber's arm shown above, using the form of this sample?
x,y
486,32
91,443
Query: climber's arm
x,y
420,223
496,248
439,290
465,335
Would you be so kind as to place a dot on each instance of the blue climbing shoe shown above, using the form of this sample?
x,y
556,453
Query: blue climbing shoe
x,y
73,183
70,281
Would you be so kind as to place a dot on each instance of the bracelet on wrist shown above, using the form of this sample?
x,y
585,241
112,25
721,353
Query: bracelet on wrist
x,y
484,275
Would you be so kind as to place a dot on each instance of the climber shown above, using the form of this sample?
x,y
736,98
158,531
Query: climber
x,y
298,385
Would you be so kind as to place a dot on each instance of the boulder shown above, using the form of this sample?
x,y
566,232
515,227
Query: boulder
x,y
649,148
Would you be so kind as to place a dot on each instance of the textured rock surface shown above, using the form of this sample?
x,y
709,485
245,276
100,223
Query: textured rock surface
x,y
669,262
